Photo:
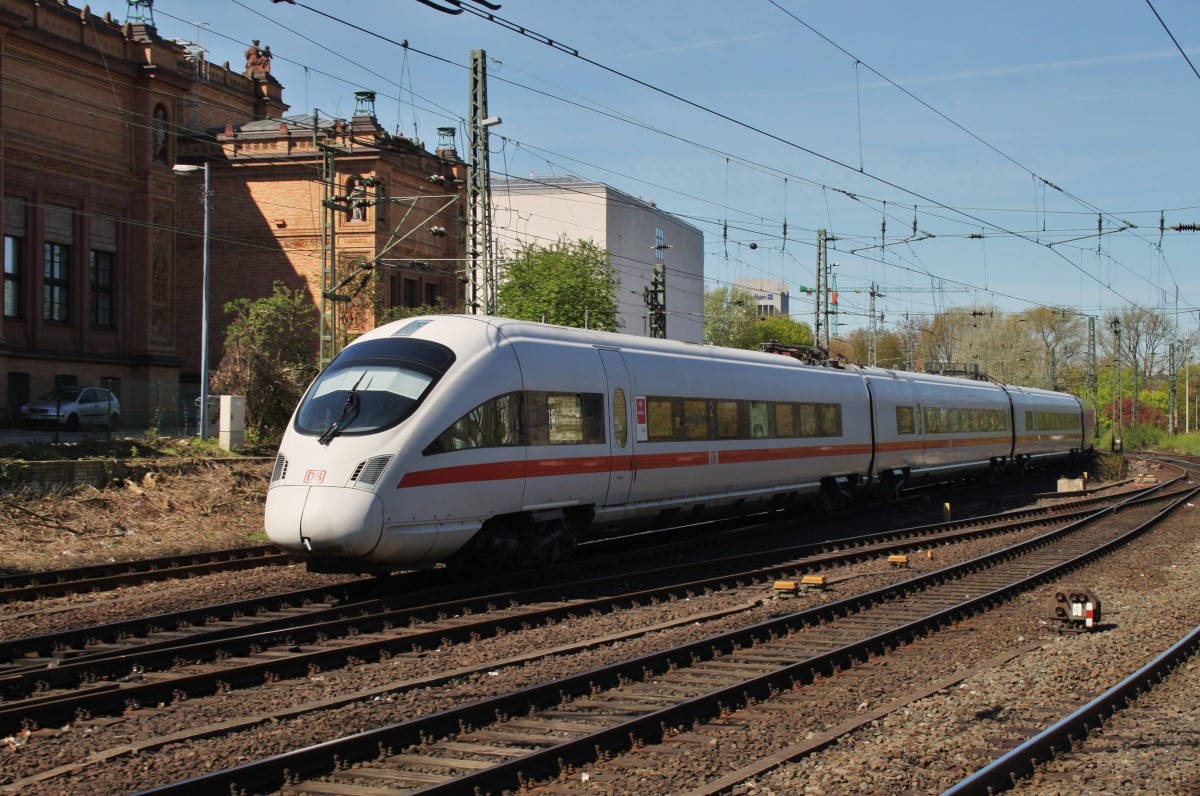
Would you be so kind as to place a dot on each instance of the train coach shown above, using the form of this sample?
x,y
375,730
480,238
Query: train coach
x,y
498,443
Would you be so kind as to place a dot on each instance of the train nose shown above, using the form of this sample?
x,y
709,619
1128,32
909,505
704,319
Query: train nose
x,y
326,522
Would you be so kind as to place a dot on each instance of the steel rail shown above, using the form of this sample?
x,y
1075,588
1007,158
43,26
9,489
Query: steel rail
x,y
99,577
119,676
329,756
1001,773
70,645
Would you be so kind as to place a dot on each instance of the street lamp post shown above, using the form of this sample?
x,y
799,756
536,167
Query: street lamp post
x,y
183,169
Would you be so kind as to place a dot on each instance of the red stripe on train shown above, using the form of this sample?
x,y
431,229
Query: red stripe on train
x,y
585,465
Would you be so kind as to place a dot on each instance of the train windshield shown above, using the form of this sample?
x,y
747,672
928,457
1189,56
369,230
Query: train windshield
x,y
371,386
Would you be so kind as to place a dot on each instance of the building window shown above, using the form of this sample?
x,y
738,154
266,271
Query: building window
x,y
431,294
56,282
410,292
17,391
161,151
660,244
12,276
102,288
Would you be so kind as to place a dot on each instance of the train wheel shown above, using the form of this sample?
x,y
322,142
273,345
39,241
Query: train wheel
x,y
830,498
563,545
889,485
892,487
493,549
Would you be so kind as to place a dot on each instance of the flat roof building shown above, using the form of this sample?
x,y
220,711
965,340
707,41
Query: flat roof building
x,y
771,295
639,236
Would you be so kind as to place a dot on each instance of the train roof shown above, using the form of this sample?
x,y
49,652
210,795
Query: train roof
x,y
436,327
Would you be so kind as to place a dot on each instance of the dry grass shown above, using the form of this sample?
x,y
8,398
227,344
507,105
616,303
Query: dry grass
x,y
208,505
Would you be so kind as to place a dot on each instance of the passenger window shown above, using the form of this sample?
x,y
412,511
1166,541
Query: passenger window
x,y
695,419
932,426
904,420
495,423
759,420
565,418
510,419
831,420
620,418
785,421
660,423
808,420
727,420
574,418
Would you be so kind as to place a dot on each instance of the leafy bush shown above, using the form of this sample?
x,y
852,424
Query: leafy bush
x,y
1141,437
1110,466
269,357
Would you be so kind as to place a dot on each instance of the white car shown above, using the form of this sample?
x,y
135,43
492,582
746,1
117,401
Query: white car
x,y
72,407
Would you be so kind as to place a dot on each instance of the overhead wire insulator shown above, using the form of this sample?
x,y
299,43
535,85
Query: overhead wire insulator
x,y
785,185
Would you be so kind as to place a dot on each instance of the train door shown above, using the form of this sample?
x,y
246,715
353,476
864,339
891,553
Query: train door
x,y
920,458
620,438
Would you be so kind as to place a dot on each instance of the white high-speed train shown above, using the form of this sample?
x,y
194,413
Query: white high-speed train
x,y
499,442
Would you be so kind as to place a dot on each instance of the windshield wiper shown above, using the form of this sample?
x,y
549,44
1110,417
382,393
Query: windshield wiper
x,y
349,412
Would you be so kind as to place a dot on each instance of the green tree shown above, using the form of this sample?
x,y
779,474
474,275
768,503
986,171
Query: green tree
x,y
397,313
1060,337
268,356
730,317
889,349
783,330
570,283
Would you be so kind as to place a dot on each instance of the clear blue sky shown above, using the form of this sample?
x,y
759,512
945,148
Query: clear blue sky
x,y
1024,122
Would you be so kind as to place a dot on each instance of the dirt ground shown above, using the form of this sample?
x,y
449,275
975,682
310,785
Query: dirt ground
x,y
176,508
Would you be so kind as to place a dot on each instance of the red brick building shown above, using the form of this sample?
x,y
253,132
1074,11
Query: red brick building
x,y
359,220
101,238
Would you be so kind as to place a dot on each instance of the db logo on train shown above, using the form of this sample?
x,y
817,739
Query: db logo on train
x,y
314,477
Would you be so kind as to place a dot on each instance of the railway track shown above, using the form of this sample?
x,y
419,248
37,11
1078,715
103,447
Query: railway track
x,y
259,614
90,579
666,692
103,577
1058,740
52,679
